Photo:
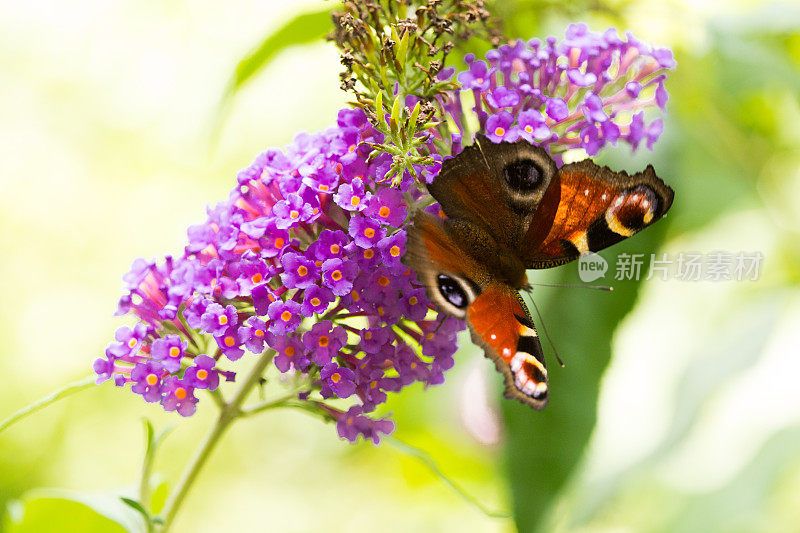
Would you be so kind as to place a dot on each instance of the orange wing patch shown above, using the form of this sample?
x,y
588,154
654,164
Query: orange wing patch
x,y
500,324
583,200
492,317
596,207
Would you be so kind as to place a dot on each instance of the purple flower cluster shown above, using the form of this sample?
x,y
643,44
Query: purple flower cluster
x,y
585,91
303,259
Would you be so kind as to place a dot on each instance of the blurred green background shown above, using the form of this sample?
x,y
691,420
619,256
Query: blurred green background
x,y
106,123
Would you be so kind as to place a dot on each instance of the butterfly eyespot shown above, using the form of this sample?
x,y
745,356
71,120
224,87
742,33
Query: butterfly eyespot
x,y
452,291
523,175
635,208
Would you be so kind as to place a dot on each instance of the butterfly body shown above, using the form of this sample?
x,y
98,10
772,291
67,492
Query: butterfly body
x,y
507,208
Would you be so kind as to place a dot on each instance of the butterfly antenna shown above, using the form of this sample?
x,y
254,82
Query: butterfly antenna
x,y
573,286
480,148
546,334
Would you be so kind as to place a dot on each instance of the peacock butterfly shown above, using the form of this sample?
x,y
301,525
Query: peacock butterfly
x,y
508,208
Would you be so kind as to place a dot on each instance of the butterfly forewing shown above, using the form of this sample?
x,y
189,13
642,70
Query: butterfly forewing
x,y
496,186
589,208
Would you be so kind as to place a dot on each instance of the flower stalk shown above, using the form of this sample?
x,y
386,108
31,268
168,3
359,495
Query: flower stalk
x,y
229,413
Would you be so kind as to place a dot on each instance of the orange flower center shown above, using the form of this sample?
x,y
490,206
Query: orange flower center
x,y
394,251
355,296
384,212
180,393
294,213
324,341
336,275
315,302
335,248
336,377
289,351
529,128
499,131
132,342
323,187
259,333
223,319
257,278
355,200
369,253
286,316
229,341
152,379
369,233
413,300
202,374
174,351
279,242
383,281
302,270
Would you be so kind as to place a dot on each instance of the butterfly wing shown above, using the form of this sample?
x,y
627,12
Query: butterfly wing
x,y
494,186
498,318
588,208
546,215
510,200
501,324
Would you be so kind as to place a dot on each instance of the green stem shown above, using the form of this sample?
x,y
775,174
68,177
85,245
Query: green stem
x,y
63,392
271,404
229,412
147,466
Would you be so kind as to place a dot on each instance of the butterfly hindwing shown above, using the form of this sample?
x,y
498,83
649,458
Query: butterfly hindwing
x,y
588,208
451,277
501,325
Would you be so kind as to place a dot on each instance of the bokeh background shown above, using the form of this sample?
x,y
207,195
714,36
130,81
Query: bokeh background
x,y
110,147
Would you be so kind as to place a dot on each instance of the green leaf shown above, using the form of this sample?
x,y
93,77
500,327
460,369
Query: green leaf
x,y
543,448
423,457
379,107
136,506
42,510
148,435
53,397
139,508
158,498
402,49
303,29
414,116
394,118
737,348
152,442
747,502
